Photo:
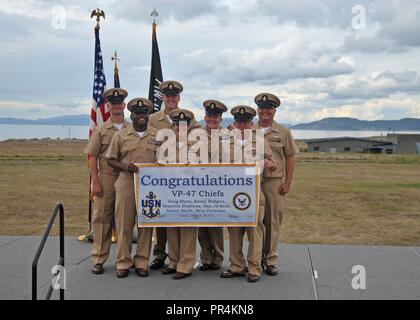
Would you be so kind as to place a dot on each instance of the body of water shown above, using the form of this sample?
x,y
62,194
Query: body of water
x,y
11,131
81,132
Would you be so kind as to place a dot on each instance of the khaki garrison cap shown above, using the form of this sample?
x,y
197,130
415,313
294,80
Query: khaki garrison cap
x,y
267,100
178,115
140,105
171,87
115,95
214,107
243,113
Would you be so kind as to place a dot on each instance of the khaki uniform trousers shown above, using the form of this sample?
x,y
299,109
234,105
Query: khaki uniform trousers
x,y
182,244
103,218
159,249
211,243
255,238
274,208
125,220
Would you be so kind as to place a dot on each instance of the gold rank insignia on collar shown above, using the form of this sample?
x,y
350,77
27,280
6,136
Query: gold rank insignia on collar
x,y
155,142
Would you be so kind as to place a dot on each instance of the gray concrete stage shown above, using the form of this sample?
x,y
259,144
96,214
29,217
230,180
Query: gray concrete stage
x,y
391,273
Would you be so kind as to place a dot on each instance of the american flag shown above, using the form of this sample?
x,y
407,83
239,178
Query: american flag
x,y
99,112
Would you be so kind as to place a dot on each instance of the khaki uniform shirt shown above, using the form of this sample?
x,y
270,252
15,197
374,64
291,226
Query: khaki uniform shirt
x,y
209,144
233,143
99,143
176,149
159,120
282,144
127,147
212,152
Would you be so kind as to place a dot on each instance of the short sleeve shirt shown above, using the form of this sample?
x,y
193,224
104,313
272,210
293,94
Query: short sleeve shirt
x,y
99,143
282,144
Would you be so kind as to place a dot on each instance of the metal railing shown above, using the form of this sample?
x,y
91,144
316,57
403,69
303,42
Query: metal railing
x,y
57,208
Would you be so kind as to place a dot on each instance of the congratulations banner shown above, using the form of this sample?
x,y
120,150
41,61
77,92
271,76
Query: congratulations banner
x,y
204,195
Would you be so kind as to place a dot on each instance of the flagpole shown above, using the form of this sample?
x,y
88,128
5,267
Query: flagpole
x,y
155,95
116,71
89,235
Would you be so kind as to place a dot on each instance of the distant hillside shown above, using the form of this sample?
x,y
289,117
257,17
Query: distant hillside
x,y
77,120
406,124
227,121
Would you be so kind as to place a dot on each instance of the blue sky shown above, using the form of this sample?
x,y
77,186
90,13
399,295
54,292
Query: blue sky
x,y
322,58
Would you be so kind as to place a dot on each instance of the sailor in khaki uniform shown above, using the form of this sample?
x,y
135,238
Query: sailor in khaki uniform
x,y
160,120
211,238
243,116
181,240
103,177
276,184
171,96
134,144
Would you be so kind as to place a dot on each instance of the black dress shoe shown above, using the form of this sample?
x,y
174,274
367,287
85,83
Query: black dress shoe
x,y
271,270
204,267
230,274
168,271
215,266
142,272
122,273
157,264
253,278
180,275
263,265
98,269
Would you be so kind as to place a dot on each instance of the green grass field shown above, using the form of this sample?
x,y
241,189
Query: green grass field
x,y
335,199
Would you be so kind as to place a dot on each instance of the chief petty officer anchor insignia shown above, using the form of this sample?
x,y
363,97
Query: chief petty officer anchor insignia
x,y
152,204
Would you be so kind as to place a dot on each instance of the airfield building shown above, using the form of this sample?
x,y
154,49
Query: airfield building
x,y
394,143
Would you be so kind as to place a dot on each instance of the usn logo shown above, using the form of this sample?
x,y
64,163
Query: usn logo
x,y
241,201
151,206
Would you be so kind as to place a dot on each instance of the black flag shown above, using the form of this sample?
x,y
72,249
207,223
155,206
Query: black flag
x,y
155,95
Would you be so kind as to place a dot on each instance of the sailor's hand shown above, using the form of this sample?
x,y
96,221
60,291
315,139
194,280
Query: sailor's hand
x,y
284,189
96,189
271,164
132,168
